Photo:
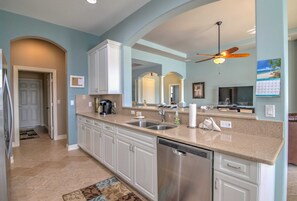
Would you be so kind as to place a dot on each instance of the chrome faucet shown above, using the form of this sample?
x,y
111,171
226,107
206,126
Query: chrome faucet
x,y
162,114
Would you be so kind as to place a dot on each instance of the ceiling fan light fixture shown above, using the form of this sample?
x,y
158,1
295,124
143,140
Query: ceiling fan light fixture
x,y
219,60
92,1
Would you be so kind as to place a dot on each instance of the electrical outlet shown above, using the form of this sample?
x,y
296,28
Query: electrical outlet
x,y
138,113
226,124
132,112
90,104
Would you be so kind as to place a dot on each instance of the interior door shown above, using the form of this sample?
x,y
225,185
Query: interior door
x,y
148,91
50,104
29,103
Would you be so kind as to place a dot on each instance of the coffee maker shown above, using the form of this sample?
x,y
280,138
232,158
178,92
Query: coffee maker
x,y
105,106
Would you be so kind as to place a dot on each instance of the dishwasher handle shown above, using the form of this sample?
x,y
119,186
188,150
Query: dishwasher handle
x,y
179,153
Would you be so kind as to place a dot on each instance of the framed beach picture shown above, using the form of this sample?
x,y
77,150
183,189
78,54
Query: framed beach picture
x,y
199,90
268,78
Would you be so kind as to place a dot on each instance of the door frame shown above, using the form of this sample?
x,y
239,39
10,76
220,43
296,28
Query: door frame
x,y
169,90
15,74
40,94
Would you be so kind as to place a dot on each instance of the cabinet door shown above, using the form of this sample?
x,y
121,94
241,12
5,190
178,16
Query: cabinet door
x,y
103,70
228,188
80,133
124,156
109,149
98,144
89,139
145,170
93,72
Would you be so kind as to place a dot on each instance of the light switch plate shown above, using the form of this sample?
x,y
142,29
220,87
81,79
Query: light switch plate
x,y
226,124
71,102
90,104
269,110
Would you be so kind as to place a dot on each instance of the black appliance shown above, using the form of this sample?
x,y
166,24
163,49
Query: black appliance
x,y
106,106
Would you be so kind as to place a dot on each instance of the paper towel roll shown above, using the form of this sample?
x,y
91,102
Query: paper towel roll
x,y
192,115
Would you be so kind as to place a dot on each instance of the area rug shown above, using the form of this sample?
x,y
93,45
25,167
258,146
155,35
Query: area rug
x,y
28,134
107,190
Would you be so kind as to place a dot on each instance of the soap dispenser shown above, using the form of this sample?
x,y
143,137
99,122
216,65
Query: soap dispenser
x,y
176,118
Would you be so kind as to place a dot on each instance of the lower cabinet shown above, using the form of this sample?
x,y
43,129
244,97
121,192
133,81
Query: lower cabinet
x,y
109,149
227,188
88,139
98,145
237,179
137,161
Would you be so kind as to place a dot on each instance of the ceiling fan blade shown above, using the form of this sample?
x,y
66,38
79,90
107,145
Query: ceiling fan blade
x,y
205,60
210,55
237,55
229,51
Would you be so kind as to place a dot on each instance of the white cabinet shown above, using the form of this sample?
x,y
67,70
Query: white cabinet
x,y
98,144
109,149
104,63
124,158
228,188
145,173
85,134
237,179
88,139
137,161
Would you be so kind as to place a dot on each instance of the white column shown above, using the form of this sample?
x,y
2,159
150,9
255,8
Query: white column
x,y
162,89
182,93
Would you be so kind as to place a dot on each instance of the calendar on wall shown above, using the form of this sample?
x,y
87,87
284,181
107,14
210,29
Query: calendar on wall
x,y
268,77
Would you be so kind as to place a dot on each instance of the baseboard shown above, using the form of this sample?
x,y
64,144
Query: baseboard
x,y
61,137
72,147
13,144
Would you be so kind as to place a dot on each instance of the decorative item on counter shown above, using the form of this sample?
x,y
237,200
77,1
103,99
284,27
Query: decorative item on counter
x,y
209,124
176,119
203,108
144,103
192,115
139,115
97,105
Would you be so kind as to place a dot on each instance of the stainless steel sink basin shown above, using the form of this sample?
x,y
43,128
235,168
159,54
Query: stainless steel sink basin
x,y
162,127
143,123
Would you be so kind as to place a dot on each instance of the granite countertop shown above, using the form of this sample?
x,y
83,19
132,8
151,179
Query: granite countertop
x,y
255,148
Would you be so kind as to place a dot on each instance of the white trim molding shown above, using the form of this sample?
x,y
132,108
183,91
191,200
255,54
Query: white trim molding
x,y
72,147
61,137
15,71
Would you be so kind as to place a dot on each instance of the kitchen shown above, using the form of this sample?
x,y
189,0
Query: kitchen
x,y
76,60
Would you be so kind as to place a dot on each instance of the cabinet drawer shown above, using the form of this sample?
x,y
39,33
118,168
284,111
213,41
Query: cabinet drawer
x,y
108,127
89,121
80,118
97,124
237,167
141,138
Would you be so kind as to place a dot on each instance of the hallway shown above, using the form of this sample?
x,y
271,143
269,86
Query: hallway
x,y
44,170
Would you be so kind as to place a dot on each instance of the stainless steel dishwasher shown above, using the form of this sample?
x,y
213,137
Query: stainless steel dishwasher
x,y
184,172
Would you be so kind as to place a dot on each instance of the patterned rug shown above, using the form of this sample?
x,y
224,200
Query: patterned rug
x,y
107,190
28,134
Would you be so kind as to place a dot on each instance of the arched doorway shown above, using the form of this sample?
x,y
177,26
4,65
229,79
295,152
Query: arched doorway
x,y
39,59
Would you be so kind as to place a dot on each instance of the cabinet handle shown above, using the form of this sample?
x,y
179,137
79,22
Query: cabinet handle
x,y
216,183
234,167
133,148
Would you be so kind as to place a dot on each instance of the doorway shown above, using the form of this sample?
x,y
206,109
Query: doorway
x,y
174,94
30,106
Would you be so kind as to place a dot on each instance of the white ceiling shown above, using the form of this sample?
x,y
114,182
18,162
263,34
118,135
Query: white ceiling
x,y
76,14
195,30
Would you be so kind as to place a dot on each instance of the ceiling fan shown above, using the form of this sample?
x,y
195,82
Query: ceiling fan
x,y
220,57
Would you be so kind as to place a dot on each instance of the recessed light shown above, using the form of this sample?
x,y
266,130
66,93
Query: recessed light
x,y
92,1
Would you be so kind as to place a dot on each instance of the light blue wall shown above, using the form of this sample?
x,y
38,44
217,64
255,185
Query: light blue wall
x,y
168,65
76,44
233,72
272,42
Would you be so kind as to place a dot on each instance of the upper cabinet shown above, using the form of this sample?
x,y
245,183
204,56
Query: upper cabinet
x,y
105,68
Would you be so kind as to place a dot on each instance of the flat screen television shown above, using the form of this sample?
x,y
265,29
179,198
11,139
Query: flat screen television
x,y
241,96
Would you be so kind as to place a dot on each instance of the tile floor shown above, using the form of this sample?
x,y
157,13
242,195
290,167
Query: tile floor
x,y
292,183
43,170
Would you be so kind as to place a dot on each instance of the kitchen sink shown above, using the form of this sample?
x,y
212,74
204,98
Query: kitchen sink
x,y
143,123
152,125
162,127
